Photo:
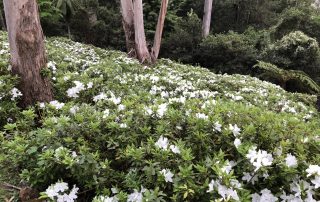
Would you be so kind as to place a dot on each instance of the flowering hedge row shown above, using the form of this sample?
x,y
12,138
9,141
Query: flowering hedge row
x,y
119,131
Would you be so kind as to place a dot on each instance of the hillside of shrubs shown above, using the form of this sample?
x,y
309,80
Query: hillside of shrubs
x,y
121,131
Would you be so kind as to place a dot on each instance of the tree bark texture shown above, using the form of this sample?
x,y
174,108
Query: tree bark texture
x,y
142,51
206,18
159,30
27,50
128,26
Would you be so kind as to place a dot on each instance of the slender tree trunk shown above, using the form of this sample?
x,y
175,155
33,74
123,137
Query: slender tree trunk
x,y
27,50
128,26
159,30
142,51
206,18
69,30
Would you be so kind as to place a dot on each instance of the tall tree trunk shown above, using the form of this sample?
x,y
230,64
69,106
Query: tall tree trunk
x,y
69,30
2,23
27,50
142,51
128,26
158,34
206,18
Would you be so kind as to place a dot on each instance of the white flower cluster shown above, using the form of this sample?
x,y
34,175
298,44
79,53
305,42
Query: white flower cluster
x,y
112,98
136,196
15,93
259,158
74,91
266,196
163,143
58,192
314,170
56,104
225,192
167,175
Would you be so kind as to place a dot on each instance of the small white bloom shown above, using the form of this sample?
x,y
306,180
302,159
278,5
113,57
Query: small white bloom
x,y
313,170
234,129
237,142
291,161
73,110
89,85
316,182
266,196
175,149
259,159
15,93
42,105
106,113
135,197
121,107
167,175
217,126
201,116
211,186
161,110
56,104
123,125
162,143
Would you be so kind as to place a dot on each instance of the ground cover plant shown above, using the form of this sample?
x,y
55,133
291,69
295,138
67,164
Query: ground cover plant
x,y
121,131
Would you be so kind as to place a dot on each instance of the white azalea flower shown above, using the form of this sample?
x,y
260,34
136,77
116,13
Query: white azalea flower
x,y
237,142
291,161
201,116
74,91
175,149
162,143
211,186
89,85
217,126
234,129
316,182
313,170
266,196
15,93
167,175
259,159
162,110
56,104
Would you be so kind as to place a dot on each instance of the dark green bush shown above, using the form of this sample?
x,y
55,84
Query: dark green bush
x,y
295,51
231,52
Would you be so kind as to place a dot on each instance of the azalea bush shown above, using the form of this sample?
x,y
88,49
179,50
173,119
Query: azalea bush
x,y
121,131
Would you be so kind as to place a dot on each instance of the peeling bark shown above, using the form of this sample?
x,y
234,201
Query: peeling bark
x,y
128,26
159,30
206,18
142,51
27,50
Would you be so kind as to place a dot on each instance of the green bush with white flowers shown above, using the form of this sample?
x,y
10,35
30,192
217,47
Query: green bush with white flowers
x,y
121,131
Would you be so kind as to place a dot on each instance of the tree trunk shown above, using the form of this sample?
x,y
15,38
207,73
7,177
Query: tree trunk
x,y
2,23
206,18
128,26
27,50
69,30
158,34
142,51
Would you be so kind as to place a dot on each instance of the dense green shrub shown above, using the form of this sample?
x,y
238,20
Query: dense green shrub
x,y
296,51
231,52
183,42
168,133
303,19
